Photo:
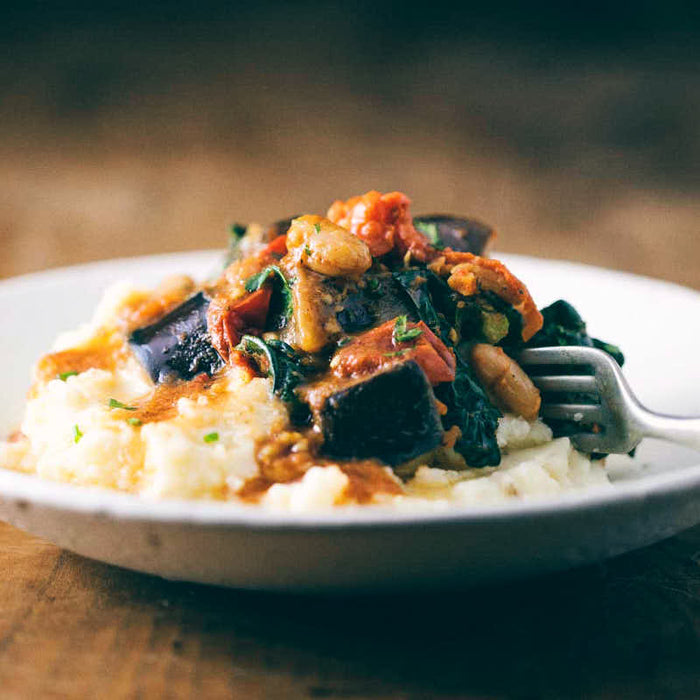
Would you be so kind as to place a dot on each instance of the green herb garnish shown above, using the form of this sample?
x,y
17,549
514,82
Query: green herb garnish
x,y
430,231
64,375
236,231
396,353
373,284
286,367
343,342
113,403
307,250
402,334
77,434
136,422
256,281
211,437
317,226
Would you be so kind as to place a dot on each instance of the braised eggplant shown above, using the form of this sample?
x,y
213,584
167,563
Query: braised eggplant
x,y
380,299
392,416
461,234
177,346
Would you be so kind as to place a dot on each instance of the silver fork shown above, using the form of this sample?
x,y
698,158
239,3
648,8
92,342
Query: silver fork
x,y
616,422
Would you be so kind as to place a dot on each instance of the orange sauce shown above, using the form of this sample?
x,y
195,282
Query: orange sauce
x,y
285,458
161,403
367,478
148,309
102,352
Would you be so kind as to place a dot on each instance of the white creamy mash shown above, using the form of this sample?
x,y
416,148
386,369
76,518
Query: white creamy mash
x,y
74,430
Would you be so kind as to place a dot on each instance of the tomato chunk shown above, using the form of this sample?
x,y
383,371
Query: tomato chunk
x,y
229,321
377,349
383,222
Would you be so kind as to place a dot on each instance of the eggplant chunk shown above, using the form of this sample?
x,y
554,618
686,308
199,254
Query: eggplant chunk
x,y
391,416
380,300
178,346
461,234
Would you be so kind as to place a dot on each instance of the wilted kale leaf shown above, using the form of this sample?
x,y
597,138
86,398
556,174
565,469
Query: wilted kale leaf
x,y
471,411
563,325
285,366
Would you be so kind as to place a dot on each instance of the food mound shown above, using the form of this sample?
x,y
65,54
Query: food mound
x,y
364,357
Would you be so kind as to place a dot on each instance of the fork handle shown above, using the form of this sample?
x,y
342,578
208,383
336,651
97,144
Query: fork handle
x,y
685,431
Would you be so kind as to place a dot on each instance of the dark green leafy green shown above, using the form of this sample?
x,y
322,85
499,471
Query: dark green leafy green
x,y
468,406
283,305
236,232
470,410
415,282
563,325
281,362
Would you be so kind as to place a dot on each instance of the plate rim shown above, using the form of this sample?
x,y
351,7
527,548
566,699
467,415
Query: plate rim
x,y
28,489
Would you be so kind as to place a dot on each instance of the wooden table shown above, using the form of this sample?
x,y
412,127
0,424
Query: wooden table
x,y
70,627
134,142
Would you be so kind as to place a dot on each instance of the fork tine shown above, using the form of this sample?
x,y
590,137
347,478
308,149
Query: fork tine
x,y
580,384
578,412
568,355
590,442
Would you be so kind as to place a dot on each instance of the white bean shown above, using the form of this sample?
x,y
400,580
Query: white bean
x,y
326,248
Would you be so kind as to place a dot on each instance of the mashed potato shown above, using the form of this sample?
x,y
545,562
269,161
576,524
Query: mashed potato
x,y
79,429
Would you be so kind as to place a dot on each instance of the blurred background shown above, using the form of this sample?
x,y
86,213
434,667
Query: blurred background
x,y
134,128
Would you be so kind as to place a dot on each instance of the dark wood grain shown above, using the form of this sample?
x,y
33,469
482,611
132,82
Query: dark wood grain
x,y
70,627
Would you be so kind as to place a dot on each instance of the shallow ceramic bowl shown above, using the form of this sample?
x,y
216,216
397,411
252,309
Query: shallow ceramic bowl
x,y
229,544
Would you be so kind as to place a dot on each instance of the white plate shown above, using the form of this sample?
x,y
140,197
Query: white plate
x,y
655,323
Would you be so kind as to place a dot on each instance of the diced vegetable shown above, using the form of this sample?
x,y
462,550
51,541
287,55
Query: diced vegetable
x,y
379,300
391,416
459,233
178,346
281,286
229,321
378,348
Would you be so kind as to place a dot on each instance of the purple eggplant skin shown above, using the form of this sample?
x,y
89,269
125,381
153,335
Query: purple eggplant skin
x,y
177,346
381,299
462,234
392,416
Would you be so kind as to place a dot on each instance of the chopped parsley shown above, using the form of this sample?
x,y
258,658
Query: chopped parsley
x,y
430,231
373,284
211,437
344,341
254,283
317,226
236,231
307,250
77,434
402,334
113,403
136,422
396,353
63,376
